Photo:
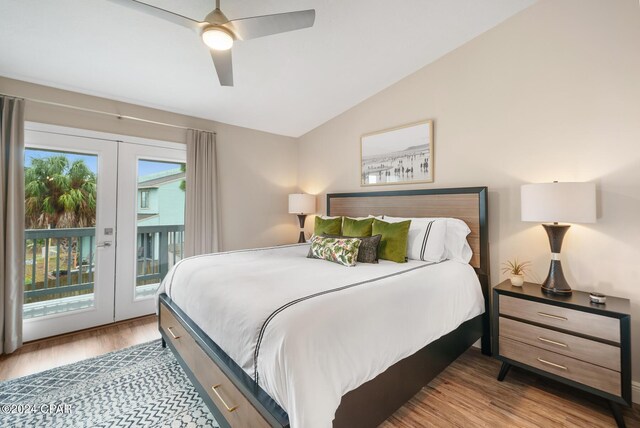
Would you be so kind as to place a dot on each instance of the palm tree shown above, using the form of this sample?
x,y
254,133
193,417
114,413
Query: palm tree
x,y
59,193
183,183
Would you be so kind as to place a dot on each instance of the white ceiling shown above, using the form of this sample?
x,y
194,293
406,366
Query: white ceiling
x,y
286,84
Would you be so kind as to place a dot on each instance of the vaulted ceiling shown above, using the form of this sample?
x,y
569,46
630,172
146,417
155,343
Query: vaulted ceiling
x,y
286,84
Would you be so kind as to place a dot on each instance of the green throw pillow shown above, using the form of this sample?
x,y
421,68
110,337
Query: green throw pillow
x,y
393,245
338,250
330,226
357,228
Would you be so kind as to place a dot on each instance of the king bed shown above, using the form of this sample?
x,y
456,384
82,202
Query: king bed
x,y
270,337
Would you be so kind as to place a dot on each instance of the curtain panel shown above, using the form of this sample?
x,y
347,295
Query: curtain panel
x,y
11,223
201,216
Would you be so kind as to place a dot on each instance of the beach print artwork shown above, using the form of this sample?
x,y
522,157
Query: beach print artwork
x,y
398,156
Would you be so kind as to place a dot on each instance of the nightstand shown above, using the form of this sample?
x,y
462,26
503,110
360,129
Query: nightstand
x,y
565,338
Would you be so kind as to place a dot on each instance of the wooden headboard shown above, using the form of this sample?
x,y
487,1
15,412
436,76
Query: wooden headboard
x,y
467,203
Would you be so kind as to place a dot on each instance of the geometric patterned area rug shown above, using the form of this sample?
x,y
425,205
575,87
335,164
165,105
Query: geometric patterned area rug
x,y
141,386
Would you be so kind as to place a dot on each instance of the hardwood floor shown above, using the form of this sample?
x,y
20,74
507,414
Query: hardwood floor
x,y
467,394
45,354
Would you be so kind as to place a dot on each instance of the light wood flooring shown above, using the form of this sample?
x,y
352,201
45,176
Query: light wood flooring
x,y
46,354
467,394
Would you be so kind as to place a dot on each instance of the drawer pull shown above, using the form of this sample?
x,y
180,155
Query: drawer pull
x,y
215,391
553,342
172,333
558,366
555,317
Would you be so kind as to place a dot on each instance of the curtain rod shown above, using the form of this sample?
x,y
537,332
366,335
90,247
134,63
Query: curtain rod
x,y
116,115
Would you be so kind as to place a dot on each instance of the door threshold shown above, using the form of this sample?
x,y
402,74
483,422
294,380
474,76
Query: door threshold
x,y
85,330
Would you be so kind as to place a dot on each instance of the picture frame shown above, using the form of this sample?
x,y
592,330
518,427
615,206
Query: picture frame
x,y
399,155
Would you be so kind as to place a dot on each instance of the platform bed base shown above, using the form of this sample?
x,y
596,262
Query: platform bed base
x,y
366,406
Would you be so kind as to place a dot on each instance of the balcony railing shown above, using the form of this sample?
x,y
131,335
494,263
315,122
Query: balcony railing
x,y
159,248
60,263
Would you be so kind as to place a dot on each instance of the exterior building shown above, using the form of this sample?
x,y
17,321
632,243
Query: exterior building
x,y
160,198
160,211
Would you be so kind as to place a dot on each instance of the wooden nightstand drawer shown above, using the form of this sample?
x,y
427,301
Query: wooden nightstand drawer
x,y
586,350
560,365
567,319
567,338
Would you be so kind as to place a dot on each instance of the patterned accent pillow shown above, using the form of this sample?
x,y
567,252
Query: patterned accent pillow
x,y
338,250
368,251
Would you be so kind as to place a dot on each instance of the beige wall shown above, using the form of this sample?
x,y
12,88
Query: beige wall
x,y
257,169
551,94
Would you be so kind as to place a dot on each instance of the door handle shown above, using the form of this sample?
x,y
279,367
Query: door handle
x,y
103,244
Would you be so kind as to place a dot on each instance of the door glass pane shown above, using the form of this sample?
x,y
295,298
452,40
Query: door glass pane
x,y
160,222
60,220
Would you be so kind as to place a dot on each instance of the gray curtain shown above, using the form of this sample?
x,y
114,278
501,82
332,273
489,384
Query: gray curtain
x,y
11,223
201,216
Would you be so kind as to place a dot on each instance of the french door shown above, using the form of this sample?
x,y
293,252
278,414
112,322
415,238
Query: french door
x,y
104,223
151,202
69,253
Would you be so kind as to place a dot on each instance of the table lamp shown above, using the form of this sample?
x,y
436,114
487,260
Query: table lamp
x,y
302,204
558,203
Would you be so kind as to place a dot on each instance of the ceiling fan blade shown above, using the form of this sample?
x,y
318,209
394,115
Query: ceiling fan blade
x,y
224,67
259,26
162,13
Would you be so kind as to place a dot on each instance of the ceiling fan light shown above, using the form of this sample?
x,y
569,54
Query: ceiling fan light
x,y
217,39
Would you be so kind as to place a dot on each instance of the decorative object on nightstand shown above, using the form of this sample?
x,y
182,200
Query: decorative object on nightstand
x,y
516,270
302,204
566,338
558,202
598,298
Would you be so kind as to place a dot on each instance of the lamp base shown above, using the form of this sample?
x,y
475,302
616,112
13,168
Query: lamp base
x,y
555,283
301,219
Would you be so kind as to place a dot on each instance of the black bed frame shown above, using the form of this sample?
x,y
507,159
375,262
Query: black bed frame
x,y
374,401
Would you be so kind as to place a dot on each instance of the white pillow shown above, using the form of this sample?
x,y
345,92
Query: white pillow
x,y
363,218
327,217
426,238
455,243
456,246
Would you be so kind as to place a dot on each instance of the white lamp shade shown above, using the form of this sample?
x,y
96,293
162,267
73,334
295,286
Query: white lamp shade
x,y
559,202
301,203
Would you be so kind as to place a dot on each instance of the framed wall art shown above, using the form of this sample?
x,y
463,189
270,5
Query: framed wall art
x,y
401,155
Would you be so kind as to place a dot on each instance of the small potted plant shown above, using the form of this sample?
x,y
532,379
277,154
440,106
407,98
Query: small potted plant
x,y
517,270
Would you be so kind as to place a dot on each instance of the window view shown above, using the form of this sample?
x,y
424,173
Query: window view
x,y
144,199
60,218
160,222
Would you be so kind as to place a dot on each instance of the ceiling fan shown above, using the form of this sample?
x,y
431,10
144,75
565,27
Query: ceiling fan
x,y
219,33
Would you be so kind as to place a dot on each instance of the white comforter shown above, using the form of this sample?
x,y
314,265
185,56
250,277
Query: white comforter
x,y
308,352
